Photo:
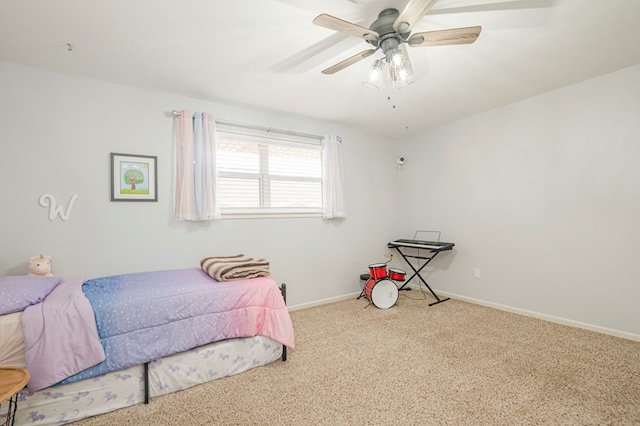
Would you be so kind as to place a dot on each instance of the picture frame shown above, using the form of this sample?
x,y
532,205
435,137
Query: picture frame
x,y
134,177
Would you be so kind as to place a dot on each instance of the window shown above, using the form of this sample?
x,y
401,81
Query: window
x,y
268,175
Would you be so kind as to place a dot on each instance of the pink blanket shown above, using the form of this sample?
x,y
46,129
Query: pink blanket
x,y
60,336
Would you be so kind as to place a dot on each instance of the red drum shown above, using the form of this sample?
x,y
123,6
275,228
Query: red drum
x,y
397,274
382,293
378,271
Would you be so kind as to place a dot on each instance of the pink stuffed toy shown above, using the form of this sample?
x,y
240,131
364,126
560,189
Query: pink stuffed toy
x,y
40,265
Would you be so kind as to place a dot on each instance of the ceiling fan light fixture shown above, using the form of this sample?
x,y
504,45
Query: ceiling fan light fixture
x,y
400,69
400,77
396,58
374,78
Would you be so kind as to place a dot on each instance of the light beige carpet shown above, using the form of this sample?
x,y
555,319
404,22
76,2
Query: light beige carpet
x,y
454,363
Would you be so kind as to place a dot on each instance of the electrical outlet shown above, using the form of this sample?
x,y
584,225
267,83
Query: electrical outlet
x,y
476,273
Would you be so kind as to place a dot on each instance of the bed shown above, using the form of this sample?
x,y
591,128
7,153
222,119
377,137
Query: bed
x,y
93,346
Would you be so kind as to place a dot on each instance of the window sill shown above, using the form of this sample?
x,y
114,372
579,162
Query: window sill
x,y
270,215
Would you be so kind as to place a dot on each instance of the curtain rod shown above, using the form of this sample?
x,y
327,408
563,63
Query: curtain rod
x,y
261,128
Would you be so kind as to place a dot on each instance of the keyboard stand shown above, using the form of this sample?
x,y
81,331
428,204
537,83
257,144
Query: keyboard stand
x,y
416,272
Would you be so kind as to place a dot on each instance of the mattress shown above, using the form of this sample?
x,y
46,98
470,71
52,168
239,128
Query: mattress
x,y
74,401
12,347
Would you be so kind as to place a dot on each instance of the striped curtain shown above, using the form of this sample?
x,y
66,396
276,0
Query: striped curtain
x,y
195,168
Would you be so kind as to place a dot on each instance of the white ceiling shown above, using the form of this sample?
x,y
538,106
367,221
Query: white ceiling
x,y
268,54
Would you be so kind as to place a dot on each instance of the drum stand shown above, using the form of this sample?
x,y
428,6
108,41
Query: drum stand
x,y
364,278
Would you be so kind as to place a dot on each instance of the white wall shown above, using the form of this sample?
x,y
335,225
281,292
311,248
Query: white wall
x,y
544,197
56,133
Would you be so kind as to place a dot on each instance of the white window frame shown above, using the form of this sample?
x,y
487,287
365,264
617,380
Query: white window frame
x,y
265,137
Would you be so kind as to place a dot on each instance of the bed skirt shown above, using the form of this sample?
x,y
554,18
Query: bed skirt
x,y
62,404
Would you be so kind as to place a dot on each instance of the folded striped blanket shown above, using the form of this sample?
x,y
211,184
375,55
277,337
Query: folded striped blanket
x,y
237,267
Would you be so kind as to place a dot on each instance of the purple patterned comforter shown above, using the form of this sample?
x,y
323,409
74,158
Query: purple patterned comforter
x,y
145,316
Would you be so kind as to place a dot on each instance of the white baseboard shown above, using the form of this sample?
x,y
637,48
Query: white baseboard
x,y
323,301
550,318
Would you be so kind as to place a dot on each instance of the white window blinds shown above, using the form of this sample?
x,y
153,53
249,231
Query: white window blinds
x,y
263,175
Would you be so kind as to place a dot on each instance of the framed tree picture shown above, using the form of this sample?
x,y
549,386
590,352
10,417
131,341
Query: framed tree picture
x,y
134,177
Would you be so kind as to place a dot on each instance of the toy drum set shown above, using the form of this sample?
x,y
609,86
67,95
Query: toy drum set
x,y
380,288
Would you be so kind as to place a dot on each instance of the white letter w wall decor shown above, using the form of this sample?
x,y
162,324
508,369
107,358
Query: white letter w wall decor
x,y
48,200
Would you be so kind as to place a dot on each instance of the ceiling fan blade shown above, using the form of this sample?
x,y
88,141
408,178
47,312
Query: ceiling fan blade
x,y
498,6
412,13
346,27
465,35
349,61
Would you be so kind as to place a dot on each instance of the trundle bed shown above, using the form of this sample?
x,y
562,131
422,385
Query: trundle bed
x,y
98,345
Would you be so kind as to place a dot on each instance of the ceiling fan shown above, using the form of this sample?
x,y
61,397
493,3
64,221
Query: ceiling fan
x,y
389,33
